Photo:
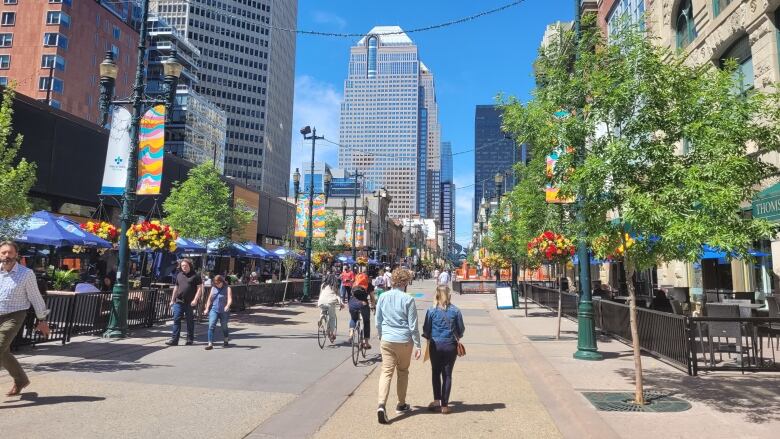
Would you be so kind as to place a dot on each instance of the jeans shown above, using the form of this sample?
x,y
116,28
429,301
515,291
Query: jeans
x,y
356,308
443,357
183,310
395,356
223,322
10,324
330,310
346,293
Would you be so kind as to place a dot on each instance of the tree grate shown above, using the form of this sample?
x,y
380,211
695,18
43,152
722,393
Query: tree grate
x,y
655,402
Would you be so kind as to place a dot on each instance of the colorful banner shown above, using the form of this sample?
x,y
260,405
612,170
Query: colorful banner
x,y
151,141
318,216
115,170
551,191
360,232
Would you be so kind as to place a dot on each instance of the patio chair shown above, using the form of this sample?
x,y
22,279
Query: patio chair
x,y
727,331
712,297
676,307
772,331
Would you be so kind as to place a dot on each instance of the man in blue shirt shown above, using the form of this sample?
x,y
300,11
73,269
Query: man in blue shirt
x,y
396,324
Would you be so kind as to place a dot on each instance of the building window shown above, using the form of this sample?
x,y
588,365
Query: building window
x,y
67,2
49,61
9,2
52,39
6,40
685,27
3,80
372,49
719,5
56,84
5,62
58,17
8,19
740,52
117,32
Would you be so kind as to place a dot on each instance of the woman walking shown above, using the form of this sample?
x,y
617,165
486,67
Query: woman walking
x,y
443,328
329,298
218,307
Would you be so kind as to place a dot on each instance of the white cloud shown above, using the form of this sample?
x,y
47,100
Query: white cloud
x,y
464,206
322,17
317,104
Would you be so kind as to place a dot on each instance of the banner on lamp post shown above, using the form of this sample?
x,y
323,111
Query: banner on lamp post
x,y
117,154
551,191
151,142
302,216
360,232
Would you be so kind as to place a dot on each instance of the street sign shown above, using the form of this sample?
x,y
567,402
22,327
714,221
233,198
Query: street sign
x,y
504,298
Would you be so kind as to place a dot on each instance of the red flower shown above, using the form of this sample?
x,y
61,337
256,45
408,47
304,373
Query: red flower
x,y
549,235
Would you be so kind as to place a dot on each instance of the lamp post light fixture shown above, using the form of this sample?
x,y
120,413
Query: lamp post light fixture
x,y
117,325
310,134
344,209
499,182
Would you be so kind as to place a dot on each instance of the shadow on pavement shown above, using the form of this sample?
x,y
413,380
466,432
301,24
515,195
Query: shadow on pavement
x,y
752,396
32,399
93,366
460,407
263,320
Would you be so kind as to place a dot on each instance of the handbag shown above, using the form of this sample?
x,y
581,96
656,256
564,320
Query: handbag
x,y
460,348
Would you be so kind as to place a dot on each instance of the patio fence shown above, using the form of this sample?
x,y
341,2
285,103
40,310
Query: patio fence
x,y
88,313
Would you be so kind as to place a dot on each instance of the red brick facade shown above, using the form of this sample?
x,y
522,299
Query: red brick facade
x,y
92,30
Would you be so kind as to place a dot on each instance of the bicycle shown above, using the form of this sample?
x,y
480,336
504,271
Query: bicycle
x,y
358,347
322,329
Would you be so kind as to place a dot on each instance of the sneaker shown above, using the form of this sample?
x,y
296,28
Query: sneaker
x,y
446,410
225,343
172,343
189,343
381,415
209,347
402,408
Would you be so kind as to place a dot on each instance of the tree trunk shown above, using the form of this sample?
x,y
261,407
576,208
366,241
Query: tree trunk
x,y
286,284
639,397
525,292
560,299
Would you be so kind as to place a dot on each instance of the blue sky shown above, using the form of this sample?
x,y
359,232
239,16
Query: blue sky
x,y
471,62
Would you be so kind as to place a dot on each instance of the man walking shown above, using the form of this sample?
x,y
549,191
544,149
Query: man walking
x,y
186,295
18,291
396,324
443,279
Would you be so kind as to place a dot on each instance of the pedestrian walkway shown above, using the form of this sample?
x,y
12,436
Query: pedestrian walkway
x,y
491,396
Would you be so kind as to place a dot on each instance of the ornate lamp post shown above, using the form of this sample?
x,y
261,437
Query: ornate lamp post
x,y
381,196
499,182
117,325
310,134
344,209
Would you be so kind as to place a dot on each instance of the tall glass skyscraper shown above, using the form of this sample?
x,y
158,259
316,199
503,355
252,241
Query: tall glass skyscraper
x,y
385,122
493,153
447,197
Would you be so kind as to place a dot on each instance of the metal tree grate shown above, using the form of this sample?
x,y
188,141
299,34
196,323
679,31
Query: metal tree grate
x,y
655,402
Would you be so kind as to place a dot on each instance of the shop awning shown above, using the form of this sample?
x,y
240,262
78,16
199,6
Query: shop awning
x,y
766,204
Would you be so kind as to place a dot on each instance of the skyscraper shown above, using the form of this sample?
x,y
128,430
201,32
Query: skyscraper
x,y
447,197
386,126
429,207
247,69
493,153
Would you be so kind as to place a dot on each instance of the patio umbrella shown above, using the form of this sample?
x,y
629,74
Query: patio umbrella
x,y
45,228
184,245
283,252
593,261
233,249
346,259
265,254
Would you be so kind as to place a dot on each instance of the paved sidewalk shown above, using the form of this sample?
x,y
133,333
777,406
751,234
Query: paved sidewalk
x,y
491,396
724,405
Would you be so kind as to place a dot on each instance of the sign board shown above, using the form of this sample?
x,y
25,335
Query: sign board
x,y
766,204
115,170
504,298
151,142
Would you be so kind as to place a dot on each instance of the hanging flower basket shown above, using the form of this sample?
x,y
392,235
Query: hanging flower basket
x,y
321,259
362,261
152,235
495,262
551,247
102,229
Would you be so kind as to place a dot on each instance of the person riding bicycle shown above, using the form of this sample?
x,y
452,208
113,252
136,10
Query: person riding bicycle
x,y
329,298
361,303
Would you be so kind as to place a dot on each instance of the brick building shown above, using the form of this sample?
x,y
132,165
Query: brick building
x,y
67,40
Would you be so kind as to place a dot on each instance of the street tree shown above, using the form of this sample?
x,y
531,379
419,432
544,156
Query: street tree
x,y
327,244
201,207
673,151
16,176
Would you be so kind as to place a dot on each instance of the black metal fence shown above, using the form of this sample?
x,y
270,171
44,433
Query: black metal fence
x,y
88,313
547,296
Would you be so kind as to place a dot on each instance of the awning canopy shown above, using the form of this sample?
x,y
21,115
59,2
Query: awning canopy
x,y
282,252
259,250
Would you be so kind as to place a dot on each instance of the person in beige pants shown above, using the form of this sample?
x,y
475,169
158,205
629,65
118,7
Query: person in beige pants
x,y
396,324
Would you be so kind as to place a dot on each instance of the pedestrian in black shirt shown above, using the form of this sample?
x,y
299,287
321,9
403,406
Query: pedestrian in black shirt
x,y
186,295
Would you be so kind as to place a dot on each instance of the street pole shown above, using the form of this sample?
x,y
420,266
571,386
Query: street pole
x,y
354,216
586,328
117,324
310,225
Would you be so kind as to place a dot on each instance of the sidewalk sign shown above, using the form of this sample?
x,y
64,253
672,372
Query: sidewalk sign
x,y
504,298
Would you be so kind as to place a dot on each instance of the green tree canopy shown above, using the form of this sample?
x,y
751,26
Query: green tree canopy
x,y
16,177
200,207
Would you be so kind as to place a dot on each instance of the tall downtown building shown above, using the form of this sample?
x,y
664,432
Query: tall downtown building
x,y
389,127
493,153
246,69
447,197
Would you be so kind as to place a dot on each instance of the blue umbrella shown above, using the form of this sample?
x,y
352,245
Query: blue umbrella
x,y
346,259
232,250
593,261
263,253
373,262
45,228
283,252
184,245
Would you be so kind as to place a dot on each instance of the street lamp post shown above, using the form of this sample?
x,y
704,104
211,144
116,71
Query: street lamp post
x,y
586,328
381,195
354,215
310,134
499,181
117,325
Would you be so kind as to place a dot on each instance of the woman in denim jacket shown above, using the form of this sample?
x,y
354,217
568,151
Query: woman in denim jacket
x,y
443,328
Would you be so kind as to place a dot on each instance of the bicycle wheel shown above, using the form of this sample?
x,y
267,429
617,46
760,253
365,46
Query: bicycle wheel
x,y
362,346
356,343
322,331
